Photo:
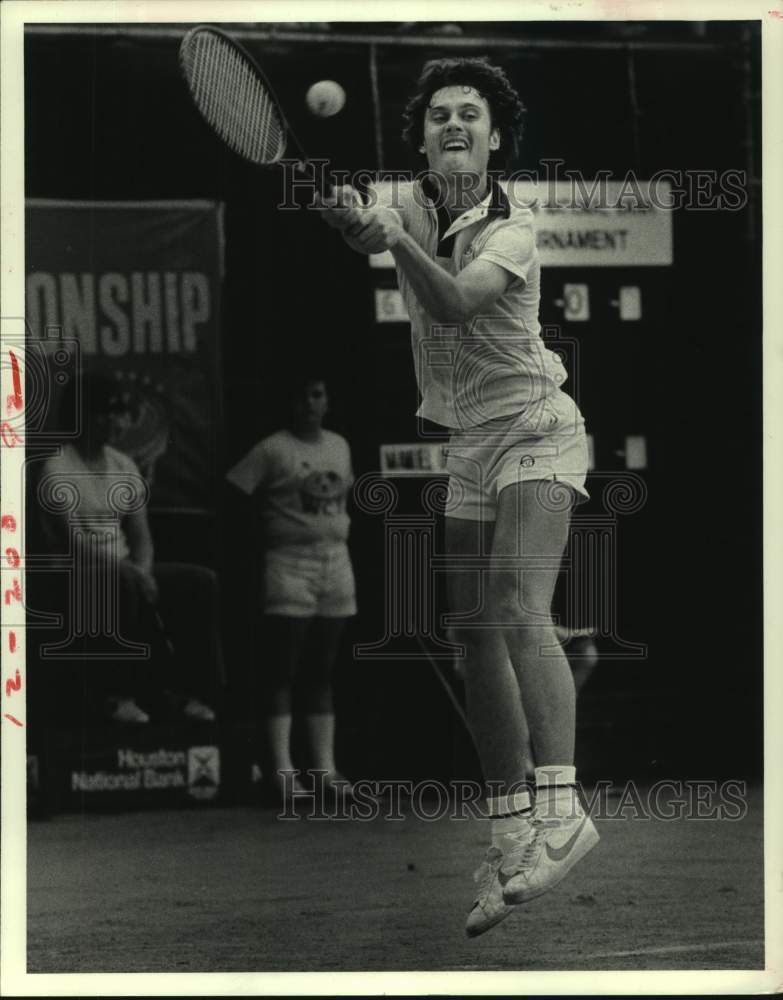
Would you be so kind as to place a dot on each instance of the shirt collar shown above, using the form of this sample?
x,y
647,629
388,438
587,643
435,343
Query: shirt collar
x,y
494,204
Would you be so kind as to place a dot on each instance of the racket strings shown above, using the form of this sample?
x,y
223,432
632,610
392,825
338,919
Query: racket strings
x,y
233,99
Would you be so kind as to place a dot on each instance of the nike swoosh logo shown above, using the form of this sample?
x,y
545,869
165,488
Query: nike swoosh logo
x,y
558,853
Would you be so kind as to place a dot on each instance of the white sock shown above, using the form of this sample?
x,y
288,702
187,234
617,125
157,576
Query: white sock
x,y
320,729
508,814
556,792
278,736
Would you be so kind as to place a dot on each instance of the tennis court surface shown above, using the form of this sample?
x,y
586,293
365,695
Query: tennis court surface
x,y
238,890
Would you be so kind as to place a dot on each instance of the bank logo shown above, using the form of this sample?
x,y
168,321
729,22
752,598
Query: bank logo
x,y
203,772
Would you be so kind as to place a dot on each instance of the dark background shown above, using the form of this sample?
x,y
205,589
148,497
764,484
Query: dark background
x,y
108,117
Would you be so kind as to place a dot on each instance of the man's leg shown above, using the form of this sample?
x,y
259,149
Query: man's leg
x,y
528,545
495,716
127,680
529,540
315,679
284,641
494,708
189,609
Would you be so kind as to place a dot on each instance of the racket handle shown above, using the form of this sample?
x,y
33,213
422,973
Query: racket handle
x,y
313,170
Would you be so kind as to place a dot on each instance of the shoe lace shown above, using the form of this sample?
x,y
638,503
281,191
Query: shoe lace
x,y
487,870
530,843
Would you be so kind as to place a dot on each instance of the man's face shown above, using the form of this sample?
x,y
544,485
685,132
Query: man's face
x,y
312,404
458,131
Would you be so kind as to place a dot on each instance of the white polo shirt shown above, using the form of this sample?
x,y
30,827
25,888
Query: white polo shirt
x,y
497,365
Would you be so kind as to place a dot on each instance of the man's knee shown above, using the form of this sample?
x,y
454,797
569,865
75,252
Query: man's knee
x,y
511,602
479,641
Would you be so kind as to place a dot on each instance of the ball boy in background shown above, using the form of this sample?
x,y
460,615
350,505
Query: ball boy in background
x,y
299,478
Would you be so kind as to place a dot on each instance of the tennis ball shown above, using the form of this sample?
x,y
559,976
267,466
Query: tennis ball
x,y
325,98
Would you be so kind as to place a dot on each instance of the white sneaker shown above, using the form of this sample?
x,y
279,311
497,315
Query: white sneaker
x,y
126,710
542,861
489,907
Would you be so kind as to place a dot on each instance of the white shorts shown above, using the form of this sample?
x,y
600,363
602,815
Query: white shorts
x,y
547,442
307,581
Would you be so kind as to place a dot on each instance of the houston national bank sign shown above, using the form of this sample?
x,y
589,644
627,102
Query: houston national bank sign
x,y
195,770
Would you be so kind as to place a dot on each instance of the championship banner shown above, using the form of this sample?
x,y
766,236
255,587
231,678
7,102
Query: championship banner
x,y
132,290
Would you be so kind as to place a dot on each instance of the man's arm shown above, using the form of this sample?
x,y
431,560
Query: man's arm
x,y
446,298
251,471
142,552
137,531
366,230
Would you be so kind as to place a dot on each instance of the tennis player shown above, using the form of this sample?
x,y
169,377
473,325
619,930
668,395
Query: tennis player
x,y
469,272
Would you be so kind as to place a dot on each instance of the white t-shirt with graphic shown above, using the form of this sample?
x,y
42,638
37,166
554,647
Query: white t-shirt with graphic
x,y
301,487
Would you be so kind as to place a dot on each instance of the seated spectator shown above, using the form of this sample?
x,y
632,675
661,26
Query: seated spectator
x,y
94,506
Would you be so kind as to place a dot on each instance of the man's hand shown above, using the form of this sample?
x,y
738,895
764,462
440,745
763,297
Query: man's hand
x,y
340,209
366,230
375,230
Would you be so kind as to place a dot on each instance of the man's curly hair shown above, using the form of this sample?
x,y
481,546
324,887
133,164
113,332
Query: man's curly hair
x,y
505,105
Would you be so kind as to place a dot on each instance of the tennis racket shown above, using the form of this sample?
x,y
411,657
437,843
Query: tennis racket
x,y
235,98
